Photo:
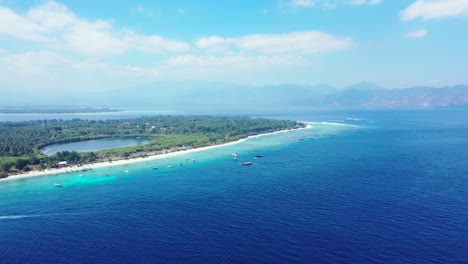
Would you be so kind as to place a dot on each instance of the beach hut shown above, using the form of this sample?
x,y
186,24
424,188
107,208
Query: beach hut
x,y
62,164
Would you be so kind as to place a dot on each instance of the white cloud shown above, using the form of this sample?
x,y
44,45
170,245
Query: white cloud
x,y
365,2
19,27
92,38
54,24
57,27
433,9
33,71
416,34
231,68
67,51
47,71
329,5
324,4
141,10
302,3
31,63
154,43
309,42
50,17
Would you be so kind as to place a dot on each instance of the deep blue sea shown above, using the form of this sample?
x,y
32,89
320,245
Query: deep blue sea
x,y
361,186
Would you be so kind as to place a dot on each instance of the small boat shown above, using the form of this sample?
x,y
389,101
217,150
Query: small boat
x,y
235,158
58,185
247,163
187,159
126,171
259,156
155,168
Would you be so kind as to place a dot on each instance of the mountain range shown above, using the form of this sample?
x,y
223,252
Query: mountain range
x,y
231,95
374,96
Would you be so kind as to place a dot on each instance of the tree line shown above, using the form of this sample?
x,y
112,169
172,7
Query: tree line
x,y
20,142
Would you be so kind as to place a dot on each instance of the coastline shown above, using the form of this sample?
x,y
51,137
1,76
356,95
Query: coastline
x,y
142,159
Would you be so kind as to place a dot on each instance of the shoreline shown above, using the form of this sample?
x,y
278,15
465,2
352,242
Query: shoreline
x,y
142,159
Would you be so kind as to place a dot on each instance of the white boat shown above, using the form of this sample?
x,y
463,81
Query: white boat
x,y
126,171
58,185
247,163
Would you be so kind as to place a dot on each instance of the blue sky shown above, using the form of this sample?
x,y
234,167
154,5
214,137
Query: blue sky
x,y
106,45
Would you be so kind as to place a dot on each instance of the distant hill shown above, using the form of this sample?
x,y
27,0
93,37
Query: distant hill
x,y
55,110
214,94
426,97
219,94
364,86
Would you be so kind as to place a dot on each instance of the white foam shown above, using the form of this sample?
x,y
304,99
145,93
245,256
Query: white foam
x,y
10,217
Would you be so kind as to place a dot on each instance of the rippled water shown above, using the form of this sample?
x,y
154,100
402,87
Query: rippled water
x,y
392,190
94,145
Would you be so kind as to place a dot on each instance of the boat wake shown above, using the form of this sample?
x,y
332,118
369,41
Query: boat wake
x,y
12,217
336,124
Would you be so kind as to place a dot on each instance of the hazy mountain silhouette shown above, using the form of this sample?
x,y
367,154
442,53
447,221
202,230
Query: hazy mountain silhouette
x,y
456,96
213,94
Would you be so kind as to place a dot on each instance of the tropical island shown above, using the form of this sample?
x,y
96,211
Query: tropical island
x,y
21,142
57,110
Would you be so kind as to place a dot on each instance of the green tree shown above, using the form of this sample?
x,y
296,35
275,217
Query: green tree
x,y
6,166
20,164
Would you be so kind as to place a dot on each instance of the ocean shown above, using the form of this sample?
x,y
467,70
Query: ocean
x,y
362,186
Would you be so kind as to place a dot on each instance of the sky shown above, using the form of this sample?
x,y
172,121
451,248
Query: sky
x,y
53,46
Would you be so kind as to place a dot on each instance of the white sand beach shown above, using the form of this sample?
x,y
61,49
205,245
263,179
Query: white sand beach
x,y
136,160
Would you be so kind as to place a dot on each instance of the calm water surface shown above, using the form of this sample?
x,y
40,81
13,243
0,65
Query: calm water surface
x,y
390,188
94,145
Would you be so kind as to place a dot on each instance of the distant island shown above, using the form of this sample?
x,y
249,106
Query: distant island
x,y
370,95
40,110
176,95
20,142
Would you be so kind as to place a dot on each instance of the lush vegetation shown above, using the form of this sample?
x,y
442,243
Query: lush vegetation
x,y
20,142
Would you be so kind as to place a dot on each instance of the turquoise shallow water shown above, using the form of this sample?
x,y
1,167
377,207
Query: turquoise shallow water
x,y
391,190
246,151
